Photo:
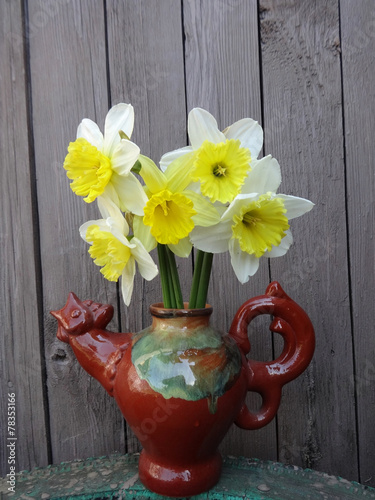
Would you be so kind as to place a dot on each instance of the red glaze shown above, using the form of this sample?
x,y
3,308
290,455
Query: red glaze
x,y
267,379
180,437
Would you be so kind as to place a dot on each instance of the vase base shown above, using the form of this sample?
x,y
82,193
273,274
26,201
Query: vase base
x,y
179,480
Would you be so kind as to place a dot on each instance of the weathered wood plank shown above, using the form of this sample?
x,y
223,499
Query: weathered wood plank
x,y
146,65
69,82
146,69
358,49
222,76
21,365
303,122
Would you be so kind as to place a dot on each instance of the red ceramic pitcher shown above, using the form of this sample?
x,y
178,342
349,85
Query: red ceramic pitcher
x,y
180,384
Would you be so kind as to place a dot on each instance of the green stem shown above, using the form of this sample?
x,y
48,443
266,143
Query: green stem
x,y
196,277
204,280
170,288
173,273
164,275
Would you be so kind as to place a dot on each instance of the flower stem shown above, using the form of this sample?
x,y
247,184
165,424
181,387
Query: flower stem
x,y
201,280
196,277
164,276
204,280
170,283
173,273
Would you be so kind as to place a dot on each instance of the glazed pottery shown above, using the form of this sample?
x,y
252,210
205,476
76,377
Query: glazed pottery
x,y
181,383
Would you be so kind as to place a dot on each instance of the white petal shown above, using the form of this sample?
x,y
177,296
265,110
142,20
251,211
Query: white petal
x,y
119,117
295,206
143,233
249,132
127,280
111,194
202,126
244,264
124,156
236,205
118,234
131,194
265,176
182,249
109,209
167,158
214,239
89,130
282,249
146,265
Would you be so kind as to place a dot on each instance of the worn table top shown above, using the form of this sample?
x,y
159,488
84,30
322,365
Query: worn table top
x,y
116,477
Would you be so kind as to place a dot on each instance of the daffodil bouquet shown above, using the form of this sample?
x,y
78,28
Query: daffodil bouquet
x,y
214,195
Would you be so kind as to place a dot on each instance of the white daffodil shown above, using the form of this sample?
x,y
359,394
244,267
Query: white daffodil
x,y
100,164
172,210
221,160
116,251
256,223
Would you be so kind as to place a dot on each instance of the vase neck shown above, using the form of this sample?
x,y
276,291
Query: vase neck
x,y
180,318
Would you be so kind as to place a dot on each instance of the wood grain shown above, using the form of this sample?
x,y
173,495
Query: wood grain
x,y
280,62
358,63
303,116
223,77
21,366
69,82
146,68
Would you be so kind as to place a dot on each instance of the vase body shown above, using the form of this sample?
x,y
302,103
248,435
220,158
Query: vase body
x,y
181,383
181,387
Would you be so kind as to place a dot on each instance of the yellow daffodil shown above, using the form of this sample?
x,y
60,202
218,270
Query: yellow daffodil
x,y
256,223
172,210
100,164
114,250
221,160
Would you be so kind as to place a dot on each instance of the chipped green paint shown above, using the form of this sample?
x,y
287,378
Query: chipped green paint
x,y
116,477
187,363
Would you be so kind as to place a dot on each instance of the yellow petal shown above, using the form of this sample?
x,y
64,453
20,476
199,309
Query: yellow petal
x,y
221,169
89,169
260,225
170,216
179,172
154,178
107,251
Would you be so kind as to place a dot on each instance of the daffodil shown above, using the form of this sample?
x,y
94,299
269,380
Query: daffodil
x,y
115,250
172,210
221,160
256,223
101,164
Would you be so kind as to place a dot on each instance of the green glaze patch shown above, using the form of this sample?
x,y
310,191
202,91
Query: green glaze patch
x,y
197,365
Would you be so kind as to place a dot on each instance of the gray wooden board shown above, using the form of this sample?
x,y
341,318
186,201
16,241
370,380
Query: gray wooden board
x,y
116,476
358,60
69,82
21,363
146,69
297,78
223,77
303,122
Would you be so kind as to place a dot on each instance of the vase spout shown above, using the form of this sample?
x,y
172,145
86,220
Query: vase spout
x,y
82,324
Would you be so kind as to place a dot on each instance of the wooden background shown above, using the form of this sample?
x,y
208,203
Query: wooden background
x,y
305,70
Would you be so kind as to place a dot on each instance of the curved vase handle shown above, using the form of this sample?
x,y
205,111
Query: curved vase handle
x,y
268,378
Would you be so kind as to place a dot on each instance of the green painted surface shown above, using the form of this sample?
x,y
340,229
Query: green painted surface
x,y
116,477
197,365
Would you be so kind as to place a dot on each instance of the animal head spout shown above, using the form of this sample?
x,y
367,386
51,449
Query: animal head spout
x,y
78,317
82,325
